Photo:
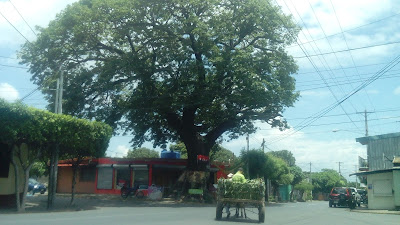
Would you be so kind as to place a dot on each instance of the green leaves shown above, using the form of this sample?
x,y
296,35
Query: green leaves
x,y
143,153
325,180
251,189
41,130
170,70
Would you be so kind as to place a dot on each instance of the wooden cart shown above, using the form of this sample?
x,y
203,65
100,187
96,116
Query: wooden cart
x,y
233,203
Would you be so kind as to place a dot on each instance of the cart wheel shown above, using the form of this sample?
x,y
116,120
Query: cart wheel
x,y
219,209
124,193
261,213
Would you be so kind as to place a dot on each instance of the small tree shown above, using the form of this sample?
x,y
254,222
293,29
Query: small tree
x,y
31,133
305,187
38,169
221,154
142,153
325,180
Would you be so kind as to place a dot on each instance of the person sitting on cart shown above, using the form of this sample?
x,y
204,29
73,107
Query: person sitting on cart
x,y
239,178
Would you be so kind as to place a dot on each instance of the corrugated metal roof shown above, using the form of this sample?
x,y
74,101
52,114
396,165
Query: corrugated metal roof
x,y
366,140
373,172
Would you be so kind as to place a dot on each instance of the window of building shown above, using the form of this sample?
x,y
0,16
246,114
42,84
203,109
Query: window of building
x,y
123,177
141,177
382,187
105,178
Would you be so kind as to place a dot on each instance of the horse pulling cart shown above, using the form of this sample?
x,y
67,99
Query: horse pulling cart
x,y
241,196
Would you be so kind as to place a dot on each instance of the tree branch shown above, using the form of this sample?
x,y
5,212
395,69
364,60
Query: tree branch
x,y
214,134
111,49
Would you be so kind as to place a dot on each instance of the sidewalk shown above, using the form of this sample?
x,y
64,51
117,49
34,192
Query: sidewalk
x,y
38,203
364,209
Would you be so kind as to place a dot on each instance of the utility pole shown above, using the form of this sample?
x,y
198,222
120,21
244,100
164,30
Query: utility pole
x,y
366,121
248,157
355,168
54,154
263,144
310,179
59,93
339,167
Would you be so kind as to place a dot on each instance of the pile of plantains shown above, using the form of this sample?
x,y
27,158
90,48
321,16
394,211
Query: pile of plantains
x,y
251,189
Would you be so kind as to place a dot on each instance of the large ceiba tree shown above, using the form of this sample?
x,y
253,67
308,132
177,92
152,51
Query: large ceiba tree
x,y
170,70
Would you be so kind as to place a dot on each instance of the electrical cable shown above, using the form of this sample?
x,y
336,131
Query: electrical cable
x,y
22,17
320,74
19,67
307,122
14,27
352,58
351,29
346,50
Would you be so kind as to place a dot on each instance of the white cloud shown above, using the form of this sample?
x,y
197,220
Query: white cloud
x,y
350,14
397,91
34,13
119,152
8,92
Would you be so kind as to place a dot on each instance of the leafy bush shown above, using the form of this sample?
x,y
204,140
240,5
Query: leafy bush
x,y
251,189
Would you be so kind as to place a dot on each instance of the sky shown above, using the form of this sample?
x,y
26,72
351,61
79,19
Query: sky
x,y
346,52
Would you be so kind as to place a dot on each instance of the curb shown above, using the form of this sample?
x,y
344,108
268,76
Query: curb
x,y
377,211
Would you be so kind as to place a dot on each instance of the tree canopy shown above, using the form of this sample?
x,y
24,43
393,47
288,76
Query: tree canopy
x,y
285,155
325,180
170,70
40,131
143,153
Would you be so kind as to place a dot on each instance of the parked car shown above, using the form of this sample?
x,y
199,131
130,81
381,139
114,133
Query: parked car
x,y
364,195
357,196
34,186
342,196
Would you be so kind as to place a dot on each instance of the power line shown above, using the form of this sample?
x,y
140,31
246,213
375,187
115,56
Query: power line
x,y
316,116
351,55
318,81
343,83
311,61
350,67
351,29
14,27
380,111
22,17
19,67
6,57
323,31
346,50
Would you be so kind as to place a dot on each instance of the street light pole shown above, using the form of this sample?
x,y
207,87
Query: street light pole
x,y
248,156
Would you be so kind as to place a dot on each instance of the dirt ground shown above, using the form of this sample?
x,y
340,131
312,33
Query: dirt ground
x,y
38,203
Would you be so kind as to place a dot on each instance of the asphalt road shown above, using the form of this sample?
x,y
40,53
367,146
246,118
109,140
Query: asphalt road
x,y
309,213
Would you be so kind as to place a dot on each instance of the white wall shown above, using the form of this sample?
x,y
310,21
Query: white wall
x,y
381,195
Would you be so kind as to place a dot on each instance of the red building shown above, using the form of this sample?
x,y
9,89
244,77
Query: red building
x,y
107,175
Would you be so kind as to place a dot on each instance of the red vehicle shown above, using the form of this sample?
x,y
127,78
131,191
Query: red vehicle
x,y
341,196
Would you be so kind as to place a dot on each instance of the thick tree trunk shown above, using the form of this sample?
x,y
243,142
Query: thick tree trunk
x,y
26,173
194,149
74,173
16,171
53,177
